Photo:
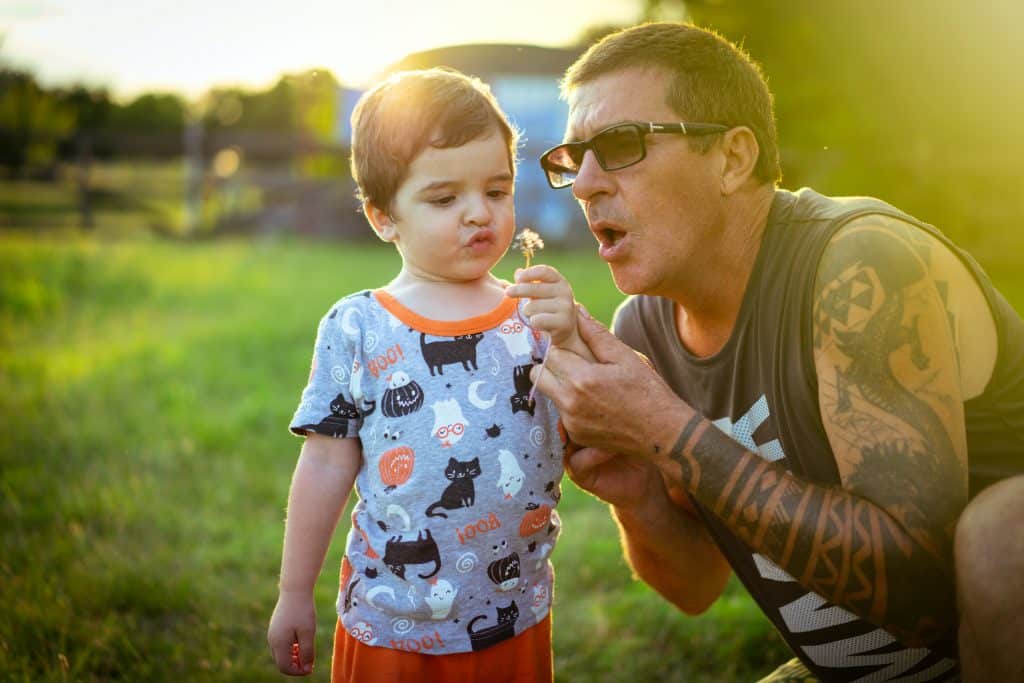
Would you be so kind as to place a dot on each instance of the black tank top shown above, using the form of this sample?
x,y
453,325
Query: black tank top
x,y
761,389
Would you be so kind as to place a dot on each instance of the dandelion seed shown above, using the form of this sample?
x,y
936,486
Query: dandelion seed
x,y
528,242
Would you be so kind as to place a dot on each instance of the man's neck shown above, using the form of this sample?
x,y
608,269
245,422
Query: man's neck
x,y
706,312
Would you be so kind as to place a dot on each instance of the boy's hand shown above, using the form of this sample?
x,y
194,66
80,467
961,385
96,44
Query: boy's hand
x,y
551,307
290,634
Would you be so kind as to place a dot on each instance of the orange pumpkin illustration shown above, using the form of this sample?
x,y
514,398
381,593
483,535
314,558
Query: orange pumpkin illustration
x,y
534,520
396,466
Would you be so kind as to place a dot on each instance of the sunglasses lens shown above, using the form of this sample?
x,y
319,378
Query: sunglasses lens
x,y
619,147
561,164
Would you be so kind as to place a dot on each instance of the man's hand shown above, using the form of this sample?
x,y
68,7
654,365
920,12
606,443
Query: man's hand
x,y
618,403
293,623
620,480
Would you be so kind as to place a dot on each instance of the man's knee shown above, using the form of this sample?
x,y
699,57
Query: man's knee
x,y
990,533
990,583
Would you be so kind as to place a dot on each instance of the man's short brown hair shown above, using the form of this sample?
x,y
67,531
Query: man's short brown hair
x,y
713,81
398,118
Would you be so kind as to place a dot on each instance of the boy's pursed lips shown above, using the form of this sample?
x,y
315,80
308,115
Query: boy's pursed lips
x,y
483,235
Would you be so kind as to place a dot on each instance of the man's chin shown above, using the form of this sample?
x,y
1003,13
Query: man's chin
x,y
623,282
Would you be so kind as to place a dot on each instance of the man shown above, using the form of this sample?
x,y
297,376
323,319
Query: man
x,y
869,376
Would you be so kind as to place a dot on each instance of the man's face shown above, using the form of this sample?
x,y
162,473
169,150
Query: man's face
x,y
657,221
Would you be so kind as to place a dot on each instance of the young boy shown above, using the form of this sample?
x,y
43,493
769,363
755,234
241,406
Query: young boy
x,y
419,394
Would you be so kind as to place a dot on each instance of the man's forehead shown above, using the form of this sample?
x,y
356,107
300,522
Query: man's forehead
x,y
634,94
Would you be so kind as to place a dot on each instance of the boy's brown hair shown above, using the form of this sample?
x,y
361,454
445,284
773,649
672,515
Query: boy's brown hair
x,y
398,118
713,80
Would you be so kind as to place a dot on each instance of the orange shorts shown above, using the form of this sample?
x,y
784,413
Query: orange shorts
x,y
523,659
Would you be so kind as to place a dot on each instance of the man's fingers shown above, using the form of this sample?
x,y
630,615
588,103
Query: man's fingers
x,y
604,345
585,460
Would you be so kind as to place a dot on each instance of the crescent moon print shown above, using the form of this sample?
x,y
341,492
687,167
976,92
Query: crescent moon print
x,y
475,399
372,594
346,321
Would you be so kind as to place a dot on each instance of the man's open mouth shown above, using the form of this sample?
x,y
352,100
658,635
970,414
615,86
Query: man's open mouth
x,y
609,237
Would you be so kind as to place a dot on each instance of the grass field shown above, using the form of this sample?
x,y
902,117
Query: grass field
x,y
145,389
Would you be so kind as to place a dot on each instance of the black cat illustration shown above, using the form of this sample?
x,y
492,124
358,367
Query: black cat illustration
x,y
398,553
336,424
521,381
461,492
492,635
461,349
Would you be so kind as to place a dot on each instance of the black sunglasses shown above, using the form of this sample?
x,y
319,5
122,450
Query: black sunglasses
x,y
614,147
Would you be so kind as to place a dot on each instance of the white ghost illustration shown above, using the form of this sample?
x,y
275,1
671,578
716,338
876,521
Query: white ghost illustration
x,y
511,478
449,422
440,599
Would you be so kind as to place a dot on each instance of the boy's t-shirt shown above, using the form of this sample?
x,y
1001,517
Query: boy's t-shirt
x,y
450,539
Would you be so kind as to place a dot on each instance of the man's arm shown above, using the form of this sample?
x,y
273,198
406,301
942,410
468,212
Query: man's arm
x,y
663,540
890,400
883,556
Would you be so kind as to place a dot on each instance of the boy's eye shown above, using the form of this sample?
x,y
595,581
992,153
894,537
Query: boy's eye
x,y
443,201
497,194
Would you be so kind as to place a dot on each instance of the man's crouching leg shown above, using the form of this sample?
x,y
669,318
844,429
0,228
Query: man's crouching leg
x,y
990,583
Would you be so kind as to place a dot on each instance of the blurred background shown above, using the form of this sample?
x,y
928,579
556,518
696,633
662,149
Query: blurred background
x,y
176,213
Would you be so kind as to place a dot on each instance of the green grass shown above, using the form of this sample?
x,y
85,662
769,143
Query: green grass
x,y
145,389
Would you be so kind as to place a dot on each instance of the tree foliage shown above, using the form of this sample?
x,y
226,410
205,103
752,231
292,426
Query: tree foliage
x,y
916,102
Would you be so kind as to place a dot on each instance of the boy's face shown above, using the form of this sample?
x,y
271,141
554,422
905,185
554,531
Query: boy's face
x,y
452,218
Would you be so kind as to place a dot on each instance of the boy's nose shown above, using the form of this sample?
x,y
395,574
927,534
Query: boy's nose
x,y
477,212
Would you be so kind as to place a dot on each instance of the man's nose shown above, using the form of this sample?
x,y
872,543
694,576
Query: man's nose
x,y
591,179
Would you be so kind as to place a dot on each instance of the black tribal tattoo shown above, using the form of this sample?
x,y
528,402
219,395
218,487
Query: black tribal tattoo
x,y
880,546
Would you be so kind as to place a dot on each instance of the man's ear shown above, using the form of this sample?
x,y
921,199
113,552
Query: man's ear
x,y
740,152
381,221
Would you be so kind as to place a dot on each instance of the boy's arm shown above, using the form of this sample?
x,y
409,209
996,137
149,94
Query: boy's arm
x,y
320,488
551,307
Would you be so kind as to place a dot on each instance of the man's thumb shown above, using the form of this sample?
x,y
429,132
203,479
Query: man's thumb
x,y
603,344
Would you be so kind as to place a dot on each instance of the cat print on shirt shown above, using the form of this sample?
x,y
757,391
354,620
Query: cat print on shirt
x,y
449,422
460,349
461,492
492,635
521,381
399,552
336,424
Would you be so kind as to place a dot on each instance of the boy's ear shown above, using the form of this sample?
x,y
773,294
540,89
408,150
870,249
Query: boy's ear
x,y
382,222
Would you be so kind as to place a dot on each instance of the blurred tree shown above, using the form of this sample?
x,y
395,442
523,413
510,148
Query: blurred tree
x,y
152,112
917,102
32,123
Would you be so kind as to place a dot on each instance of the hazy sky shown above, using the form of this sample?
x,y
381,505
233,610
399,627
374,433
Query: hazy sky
x,y
189,45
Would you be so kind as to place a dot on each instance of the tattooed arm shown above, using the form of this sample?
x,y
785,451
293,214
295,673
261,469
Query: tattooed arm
x,y
879,545
890,399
